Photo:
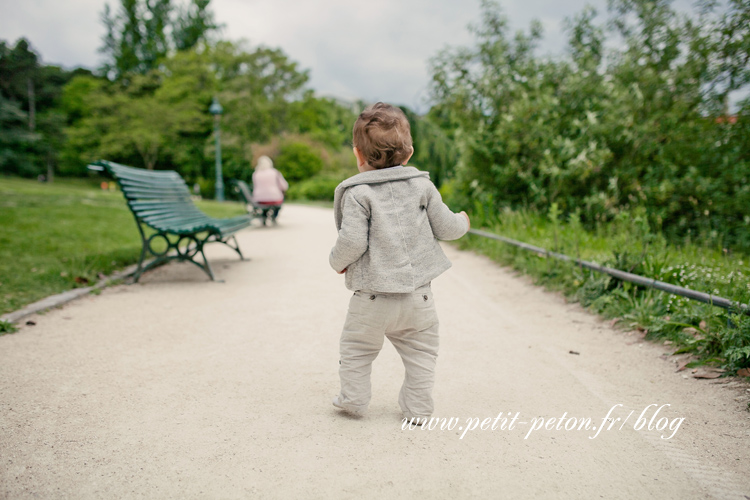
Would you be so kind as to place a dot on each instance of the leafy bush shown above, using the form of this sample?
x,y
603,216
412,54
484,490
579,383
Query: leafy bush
x,y
320,188
298,161
613,127
207,187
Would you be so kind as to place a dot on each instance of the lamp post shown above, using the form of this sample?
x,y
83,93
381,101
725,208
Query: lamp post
x,y
216,110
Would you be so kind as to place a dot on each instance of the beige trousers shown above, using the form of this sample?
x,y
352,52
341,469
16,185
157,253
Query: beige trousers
x,y
410,322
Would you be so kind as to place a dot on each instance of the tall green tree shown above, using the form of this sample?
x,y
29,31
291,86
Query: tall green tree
x,y
19,68
141,33
15,139
33,89
193,24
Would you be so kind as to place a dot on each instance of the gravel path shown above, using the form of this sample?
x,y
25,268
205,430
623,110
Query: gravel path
x,y
182,388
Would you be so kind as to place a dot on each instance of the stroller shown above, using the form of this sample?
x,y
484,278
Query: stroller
x,y
266,212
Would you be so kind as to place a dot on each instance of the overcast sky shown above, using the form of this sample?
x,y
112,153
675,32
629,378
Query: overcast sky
x,y
369,49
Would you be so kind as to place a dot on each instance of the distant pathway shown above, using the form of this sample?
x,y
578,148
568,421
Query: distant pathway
x,y
182,388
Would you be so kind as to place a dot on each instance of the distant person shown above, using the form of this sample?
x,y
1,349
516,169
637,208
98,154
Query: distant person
x,y
389,218
269,187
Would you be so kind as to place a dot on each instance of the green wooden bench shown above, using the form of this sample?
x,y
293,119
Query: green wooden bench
x,y
160,200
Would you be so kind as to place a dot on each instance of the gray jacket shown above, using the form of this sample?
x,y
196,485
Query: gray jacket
x,y
389,221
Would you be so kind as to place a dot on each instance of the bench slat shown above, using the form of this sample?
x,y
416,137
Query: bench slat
x,y
130,184
177,219
125,172
166,211
174,189
146,204
155,195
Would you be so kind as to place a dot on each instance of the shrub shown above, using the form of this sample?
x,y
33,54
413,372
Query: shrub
x,y
316,188
298,161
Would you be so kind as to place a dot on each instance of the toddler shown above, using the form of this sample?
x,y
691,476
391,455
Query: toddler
x,y
389,219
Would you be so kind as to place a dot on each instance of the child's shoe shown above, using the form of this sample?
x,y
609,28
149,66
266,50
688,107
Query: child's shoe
x,y
337,404
414,421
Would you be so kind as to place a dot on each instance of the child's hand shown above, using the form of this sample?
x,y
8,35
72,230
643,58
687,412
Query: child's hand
x,y
468,221
342,271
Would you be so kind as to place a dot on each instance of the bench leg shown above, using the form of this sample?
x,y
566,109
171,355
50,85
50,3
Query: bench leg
x,y
206,266
175,250
144,250
139,270
236,247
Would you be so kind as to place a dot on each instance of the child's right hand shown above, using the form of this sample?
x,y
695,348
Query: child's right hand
x,y
468,221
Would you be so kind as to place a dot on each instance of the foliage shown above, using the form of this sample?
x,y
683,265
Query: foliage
x,y
143,32
15,139
256,89
317,188
323,119
605,130
31,124
153,111
298,161
152,116
434,151
55,233
7,327
161,118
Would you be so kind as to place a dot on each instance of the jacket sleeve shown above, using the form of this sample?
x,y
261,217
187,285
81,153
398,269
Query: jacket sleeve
x,y
353,238
446,225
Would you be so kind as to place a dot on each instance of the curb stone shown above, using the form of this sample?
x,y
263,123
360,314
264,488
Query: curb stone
x,y
63,298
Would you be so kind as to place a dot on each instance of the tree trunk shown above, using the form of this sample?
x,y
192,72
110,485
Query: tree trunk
x,y
50,168
149,155
32,104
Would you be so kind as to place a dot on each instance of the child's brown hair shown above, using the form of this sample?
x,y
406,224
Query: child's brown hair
x,y
383,136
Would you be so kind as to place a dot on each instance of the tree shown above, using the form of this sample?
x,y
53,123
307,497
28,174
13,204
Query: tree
x,y
149,116
324,119
256,88
642,125
193,24
33,89
143,32
18,76
161,119
15,139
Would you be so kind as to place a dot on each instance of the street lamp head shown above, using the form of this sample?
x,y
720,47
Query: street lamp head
x,y
215,108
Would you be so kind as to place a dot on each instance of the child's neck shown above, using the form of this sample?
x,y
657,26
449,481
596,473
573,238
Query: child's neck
x,y
367,168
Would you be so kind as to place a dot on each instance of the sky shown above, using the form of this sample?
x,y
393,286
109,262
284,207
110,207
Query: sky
x,y
354,49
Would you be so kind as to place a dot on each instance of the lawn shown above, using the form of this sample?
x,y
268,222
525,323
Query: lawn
x,y
55,237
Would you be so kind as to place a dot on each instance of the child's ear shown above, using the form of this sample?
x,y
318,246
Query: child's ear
x,y
360,157
409,157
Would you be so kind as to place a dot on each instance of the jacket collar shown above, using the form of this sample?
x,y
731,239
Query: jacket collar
x,y
372,177
382,175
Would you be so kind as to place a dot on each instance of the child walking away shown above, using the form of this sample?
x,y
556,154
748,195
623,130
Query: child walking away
x,y
389,218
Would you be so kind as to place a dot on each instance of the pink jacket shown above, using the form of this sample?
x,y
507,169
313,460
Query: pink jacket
x,y
268,186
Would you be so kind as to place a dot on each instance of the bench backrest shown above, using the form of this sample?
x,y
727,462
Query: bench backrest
x,y
245,191
152,193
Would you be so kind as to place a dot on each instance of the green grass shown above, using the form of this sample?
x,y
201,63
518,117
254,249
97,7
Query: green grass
x,y
713,334
63,235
